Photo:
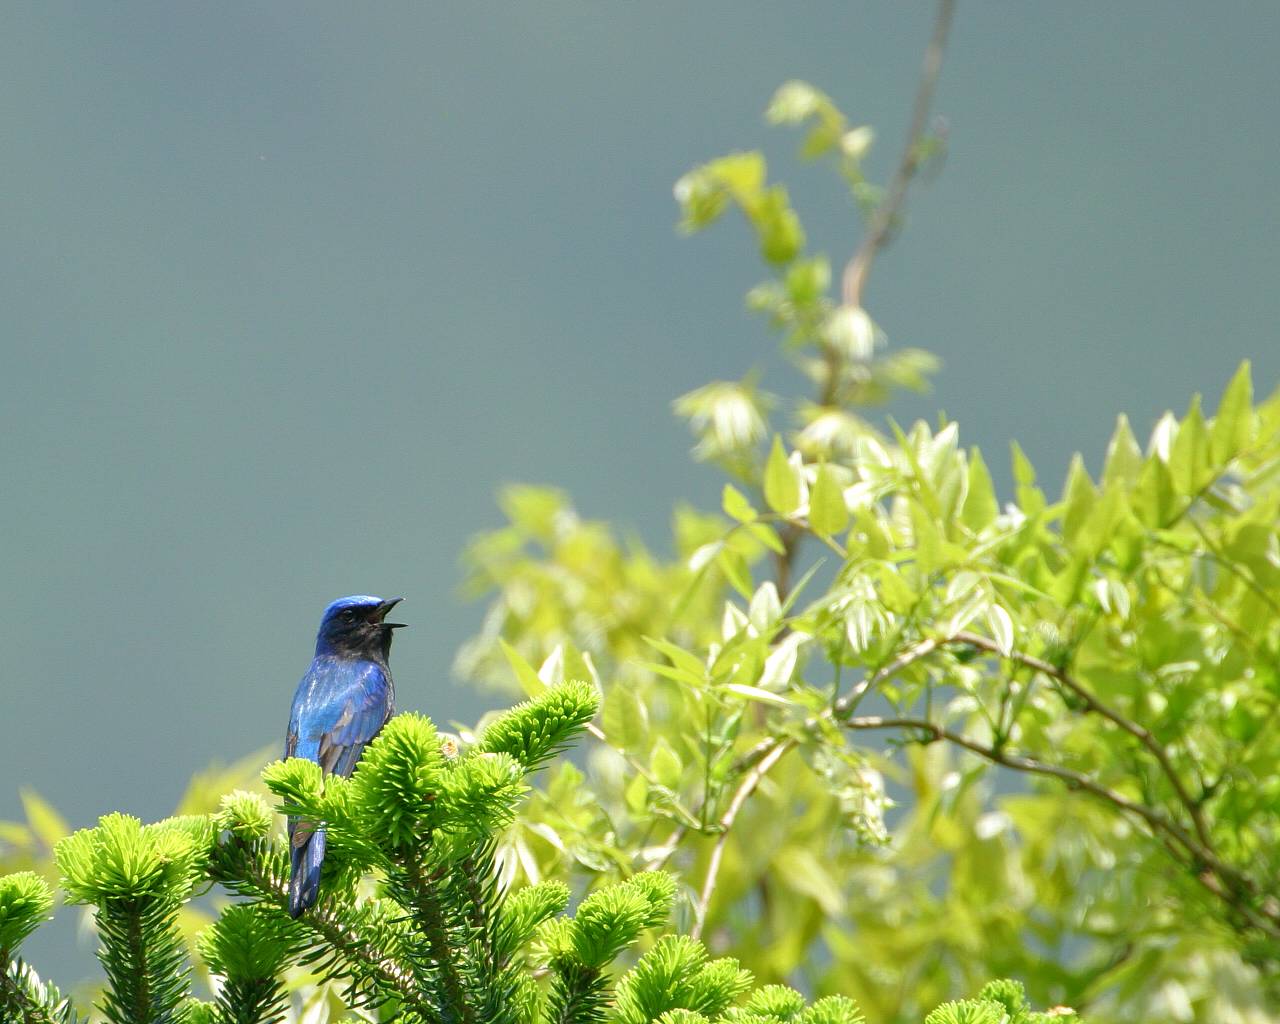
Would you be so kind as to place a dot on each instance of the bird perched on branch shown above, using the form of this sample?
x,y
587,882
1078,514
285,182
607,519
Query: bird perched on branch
x,y
341,703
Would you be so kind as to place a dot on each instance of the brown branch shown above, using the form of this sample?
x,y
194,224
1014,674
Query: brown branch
x,y
1207,868
1201,846
1093,703
352,945
761,758
16,978
857,269
784,560
748,786
424,905
846,704
877,234
1074,779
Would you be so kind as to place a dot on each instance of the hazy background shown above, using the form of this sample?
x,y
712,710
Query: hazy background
x,y
288,290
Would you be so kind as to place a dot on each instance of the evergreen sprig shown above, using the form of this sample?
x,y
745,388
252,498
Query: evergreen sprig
x,y
524,911
968,1011
580,948
26,998
249,946
25,902
537,730
677,975
244,815
138,877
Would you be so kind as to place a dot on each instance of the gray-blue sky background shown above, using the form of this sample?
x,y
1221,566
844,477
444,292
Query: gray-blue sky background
x,y
289,290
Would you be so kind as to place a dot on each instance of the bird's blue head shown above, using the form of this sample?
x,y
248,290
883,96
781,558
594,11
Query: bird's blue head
x,y
357,627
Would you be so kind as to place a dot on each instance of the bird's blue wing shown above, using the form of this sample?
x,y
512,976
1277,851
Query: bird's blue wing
x,y
339,708
361,719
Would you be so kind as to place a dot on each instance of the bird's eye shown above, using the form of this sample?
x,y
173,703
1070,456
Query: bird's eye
x,y
349,615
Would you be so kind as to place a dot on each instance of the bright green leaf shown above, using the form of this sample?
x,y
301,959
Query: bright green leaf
x,y
980,505
1233,425
767,536
665,764
526,675
48,825
827,512
735,570
1189,457
781,486
1001,626
736,506
757,694
1124,456
1079,499
679,657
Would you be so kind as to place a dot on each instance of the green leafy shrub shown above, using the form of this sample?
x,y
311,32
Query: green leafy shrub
x,y
1113,643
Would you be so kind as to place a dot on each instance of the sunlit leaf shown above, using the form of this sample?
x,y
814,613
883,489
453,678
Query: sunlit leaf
x,y
781,486
526,674
1232,429
756,694
736,505
827,512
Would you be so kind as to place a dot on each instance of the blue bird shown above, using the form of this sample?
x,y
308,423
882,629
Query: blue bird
x,y
342,702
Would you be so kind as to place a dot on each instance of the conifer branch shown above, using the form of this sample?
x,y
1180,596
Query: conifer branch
x,y
250,1002
578,995
26,1000
248,872
428,914
25,901
137,957
443,945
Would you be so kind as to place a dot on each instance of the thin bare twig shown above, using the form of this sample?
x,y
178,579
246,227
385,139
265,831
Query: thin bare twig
x,y
1074,779
757,762
878,231
1095,704
747,787
846,704
857,269
667,850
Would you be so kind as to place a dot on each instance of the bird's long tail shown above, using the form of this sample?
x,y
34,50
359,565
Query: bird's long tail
x,y
306,854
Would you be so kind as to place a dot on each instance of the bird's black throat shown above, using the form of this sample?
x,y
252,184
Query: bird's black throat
x,y
371,641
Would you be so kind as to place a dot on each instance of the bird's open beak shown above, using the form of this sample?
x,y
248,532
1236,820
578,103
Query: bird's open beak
x,y
380,613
